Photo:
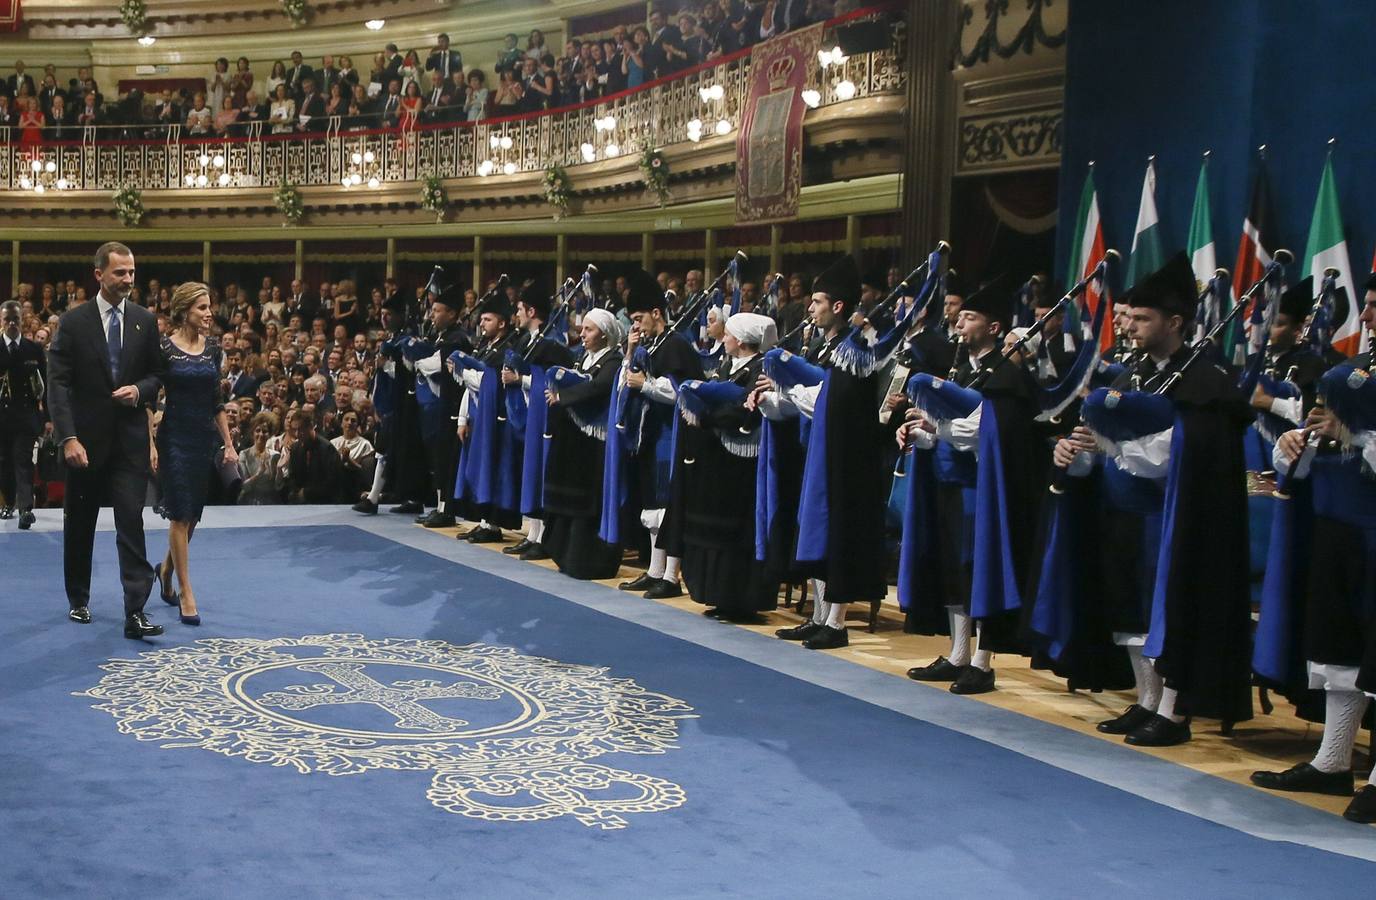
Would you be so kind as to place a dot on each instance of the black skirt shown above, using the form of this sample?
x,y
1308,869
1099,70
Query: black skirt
x,y
573,503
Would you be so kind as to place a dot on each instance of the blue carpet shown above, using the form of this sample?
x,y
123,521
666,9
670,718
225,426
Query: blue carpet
x,y
788,789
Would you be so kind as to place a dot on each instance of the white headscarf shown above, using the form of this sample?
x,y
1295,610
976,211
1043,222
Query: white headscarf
x,y
753,328
606,323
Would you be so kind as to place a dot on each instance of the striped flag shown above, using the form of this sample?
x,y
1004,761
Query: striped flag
x,y
1327,248
1147,253
1254,248
1086,249
1203,257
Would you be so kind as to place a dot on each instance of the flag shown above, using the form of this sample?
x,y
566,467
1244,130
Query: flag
x,y
1326,249
1254,248
1203,258
1086,249
1147,254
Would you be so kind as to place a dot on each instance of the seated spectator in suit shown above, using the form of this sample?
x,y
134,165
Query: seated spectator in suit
x,y
167,111
310,112
437,99
589,89
525,101
252,112
390,104
60,127
89,112
7,113
240,381
312,468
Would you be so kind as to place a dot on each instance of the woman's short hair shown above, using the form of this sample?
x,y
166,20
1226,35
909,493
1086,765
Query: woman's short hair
x,y
267,418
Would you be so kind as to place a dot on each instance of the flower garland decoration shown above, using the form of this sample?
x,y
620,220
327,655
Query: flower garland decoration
x,y
558,189
433,197
654,171
296,10
289,202
129,206
134,14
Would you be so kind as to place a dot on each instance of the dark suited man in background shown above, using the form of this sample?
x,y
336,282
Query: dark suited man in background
x,y
297,75
311,113
444,60
18,78
104,368
21,414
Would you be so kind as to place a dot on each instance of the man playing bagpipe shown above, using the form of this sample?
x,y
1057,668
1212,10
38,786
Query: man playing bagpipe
x,y
710,522
524,378
1058,347
647,411
988,477
1326,557
401,466
840,540
489,470
579,403
1149,550
440,398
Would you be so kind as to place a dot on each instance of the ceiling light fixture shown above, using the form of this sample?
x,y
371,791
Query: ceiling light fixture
x,y
374,24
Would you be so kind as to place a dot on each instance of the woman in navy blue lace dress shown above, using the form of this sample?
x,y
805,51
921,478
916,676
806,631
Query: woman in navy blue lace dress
x,y
192,429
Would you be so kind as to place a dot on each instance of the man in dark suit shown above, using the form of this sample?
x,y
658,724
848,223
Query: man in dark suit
x,y
437,99
104,371
389,104
18,78
444,60
301,303
311,111
328,76
392,63
21,414
297,75
242,383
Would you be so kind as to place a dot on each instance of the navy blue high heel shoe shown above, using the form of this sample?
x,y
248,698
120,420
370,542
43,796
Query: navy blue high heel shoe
x,y
190,620
172,599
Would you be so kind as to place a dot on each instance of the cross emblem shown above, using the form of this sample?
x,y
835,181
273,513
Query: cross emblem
x,y
402,698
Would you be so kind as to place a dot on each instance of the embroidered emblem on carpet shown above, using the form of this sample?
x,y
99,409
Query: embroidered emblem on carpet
x,y
508,737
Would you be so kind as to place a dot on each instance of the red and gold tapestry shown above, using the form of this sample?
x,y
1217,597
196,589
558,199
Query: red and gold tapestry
x,y
769,147
10,19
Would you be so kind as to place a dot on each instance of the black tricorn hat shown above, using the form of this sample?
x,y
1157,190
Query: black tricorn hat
x,y
644,292
1298,299
451,297
535,295
839,281
992,301
1171,289
954,284
497,304
395,303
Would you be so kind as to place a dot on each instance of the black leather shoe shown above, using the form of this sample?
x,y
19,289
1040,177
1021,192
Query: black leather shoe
x,y
798,632
484,536
366,506
26,519
663,589
1133,718
534,551
827,638
6,512
973,681
80,614
436,519
136,625
517,548
408,508
639,583
940,670
1363,806
1304,777
1160,731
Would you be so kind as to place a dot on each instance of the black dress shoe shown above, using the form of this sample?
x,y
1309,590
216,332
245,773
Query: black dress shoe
x,y
366,506
663,589
136,625
827,638
408,508
534,551
1159,731
798,632
26,519
437,519
941,670
1133,717
712,612
639,583
484,536
517,548
974,680
1363,806
6,512
1304,777
80,614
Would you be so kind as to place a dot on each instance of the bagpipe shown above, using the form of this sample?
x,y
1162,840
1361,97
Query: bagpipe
x,y
854,355
459,360
1315,334
769,300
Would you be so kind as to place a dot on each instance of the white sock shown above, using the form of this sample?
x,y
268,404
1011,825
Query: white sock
x,y
820,607
960,636
836,616
439,507
376,492
1148,682
657,558
536,533
671,569
1166,708
983,659
1342,717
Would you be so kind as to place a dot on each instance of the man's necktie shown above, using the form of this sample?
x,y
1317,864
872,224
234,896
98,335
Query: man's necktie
x,y
113,338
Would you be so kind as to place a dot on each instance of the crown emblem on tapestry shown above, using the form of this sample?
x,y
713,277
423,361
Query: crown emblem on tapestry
x,y
780,70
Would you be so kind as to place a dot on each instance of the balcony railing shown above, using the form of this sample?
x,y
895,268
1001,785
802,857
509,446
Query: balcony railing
x,y
656,115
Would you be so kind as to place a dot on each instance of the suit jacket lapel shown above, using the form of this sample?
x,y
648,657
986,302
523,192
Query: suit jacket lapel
x,y
98,340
